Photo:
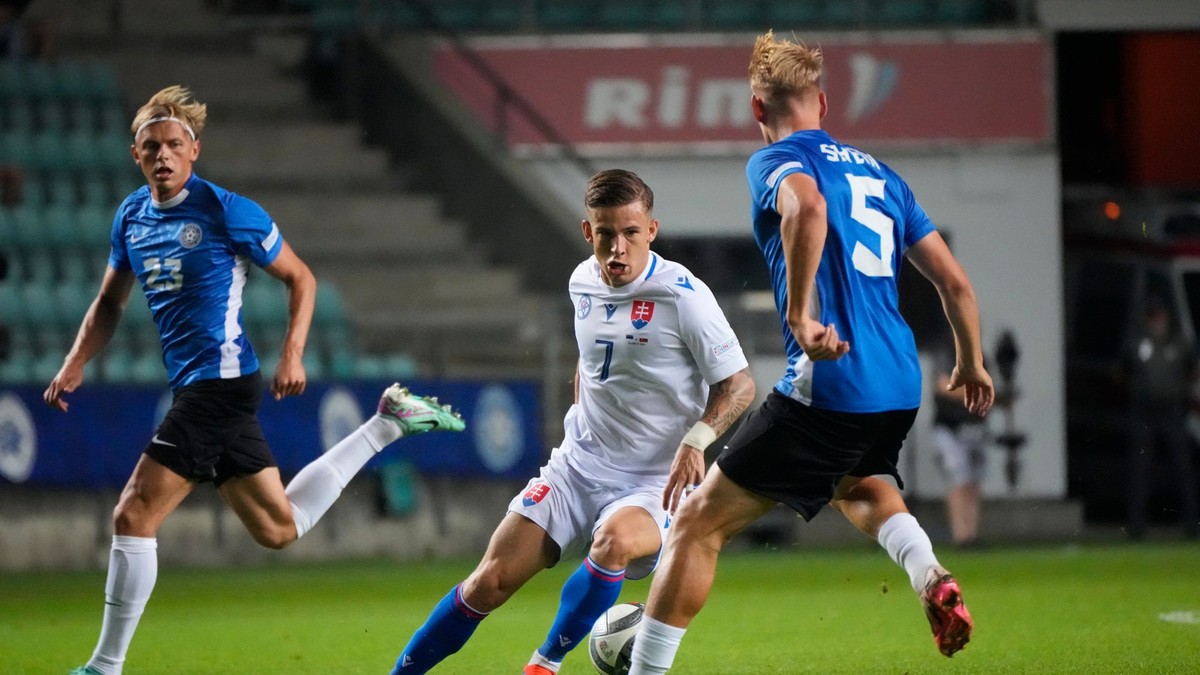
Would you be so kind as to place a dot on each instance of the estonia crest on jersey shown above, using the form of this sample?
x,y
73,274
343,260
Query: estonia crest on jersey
x,y
642,313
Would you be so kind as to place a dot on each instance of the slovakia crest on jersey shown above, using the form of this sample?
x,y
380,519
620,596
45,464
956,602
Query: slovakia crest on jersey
x,y
535,494
642,312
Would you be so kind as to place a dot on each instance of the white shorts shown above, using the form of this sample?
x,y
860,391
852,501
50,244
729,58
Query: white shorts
x,y
961,453
567,505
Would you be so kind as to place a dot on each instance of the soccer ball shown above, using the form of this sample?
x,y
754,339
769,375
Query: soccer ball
x,y
611,644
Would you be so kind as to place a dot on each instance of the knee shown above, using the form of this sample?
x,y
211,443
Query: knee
x,y
273,536
488,587
131,517
612,550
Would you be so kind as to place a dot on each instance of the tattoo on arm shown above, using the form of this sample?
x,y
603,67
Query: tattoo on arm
x,y
727,400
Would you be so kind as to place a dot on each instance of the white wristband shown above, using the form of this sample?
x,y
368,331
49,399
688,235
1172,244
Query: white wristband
x,y
700,436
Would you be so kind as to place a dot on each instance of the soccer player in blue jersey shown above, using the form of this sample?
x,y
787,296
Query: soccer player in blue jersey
x,y
660,376
190,243
834,225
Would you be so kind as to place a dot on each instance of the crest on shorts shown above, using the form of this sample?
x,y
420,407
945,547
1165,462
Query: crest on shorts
x,y
190,235
642,313
535,494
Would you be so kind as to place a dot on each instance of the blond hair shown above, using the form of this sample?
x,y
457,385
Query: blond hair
x,y
779,69
174,101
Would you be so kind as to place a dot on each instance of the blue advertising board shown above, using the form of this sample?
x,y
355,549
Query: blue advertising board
x,y
99,440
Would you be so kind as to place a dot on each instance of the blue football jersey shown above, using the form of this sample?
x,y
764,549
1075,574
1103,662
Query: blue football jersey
x,y
873,218
191,255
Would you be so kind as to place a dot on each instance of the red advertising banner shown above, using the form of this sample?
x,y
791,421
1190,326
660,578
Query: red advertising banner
x,y
916,92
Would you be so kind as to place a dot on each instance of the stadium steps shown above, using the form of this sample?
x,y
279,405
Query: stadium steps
x,y
411,278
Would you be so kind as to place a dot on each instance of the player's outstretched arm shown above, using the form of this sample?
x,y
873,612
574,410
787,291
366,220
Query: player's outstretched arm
x,y
290,378
934,260
95,331
727,400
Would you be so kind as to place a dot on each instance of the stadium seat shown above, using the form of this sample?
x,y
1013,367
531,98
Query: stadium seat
x,y
59,224
18,368
117,364
147,368
723,14
16,148
342,364
12,84
27,227
39,80
903,12
264,302
12,304
73,300
102,83
84,152
328,310
51,116
39,305
959,12
18,116
50,152
39,266
787,15
94,225
565,13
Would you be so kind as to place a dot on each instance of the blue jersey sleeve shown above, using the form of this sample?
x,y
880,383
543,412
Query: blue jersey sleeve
x,y
917,224
251,230
766,170
118,257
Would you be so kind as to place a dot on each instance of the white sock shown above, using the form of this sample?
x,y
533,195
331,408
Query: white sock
x,y
319,484
538,660
909,546
655,647
132,570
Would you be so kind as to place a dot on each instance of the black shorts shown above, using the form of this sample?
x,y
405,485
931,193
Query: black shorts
x,y
797,454
211,432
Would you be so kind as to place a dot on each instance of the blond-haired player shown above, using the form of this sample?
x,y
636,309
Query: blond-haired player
x,y
833,224
189,243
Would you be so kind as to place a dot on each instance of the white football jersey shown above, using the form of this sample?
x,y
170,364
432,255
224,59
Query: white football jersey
x,y
648,352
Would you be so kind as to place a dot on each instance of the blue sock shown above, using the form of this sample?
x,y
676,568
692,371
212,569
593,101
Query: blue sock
x,y
587,594
446,630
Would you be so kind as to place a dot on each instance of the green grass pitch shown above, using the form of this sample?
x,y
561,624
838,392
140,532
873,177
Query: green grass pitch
x,y
1042,610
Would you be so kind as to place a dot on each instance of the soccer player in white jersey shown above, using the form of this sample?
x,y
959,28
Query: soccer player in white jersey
x,y
660,376
190,243
834,225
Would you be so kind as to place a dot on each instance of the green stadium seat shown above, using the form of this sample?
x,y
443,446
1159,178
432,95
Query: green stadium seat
x,y
902,12
370,367
39,80
843,13
329,310
16,148
102,83
640,14
39,303
84,152
73,301
50,151
401,366
147,368
724,14
117,364
12,84
314,367
111,117
52,117
12,303
94,223
18,368
264,302
60,226
786,15
565,13
8,237
342,365
18,116
94,190
79,266
27,226
73,81
33,189
958,12
53,339
40,266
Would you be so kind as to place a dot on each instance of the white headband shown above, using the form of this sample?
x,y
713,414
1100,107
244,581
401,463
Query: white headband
x,y
155,120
